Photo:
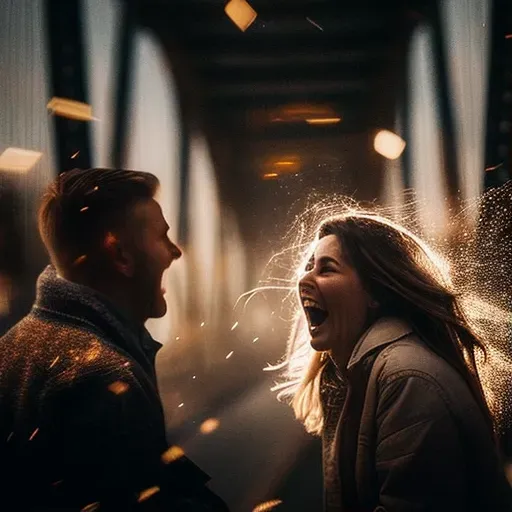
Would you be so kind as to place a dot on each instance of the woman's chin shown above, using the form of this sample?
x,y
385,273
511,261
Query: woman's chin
x,y
320,344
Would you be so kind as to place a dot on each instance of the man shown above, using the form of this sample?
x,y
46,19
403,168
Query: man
x,y
81,422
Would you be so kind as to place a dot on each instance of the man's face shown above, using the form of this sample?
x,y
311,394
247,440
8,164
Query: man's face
x,y
154,253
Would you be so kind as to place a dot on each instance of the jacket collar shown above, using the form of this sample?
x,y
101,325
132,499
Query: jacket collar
x,y
383,332
80,305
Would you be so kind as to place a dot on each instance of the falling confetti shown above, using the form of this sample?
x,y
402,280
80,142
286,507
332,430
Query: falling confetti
x,y
118,387
171,454
230,354
210,425
267,505
147,493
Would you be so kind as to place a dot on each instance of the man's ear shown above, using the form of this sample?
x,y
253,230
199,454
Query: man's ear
x,y
118,255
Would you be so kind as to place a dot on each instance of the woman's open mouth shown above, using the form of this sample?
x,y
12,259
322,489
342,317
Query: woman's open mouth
x,y
315,314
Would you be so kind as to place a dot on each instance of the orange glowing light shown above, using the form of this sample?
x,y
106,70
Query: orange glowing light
x,y
34,434
210,425
235,325
18,160
80,259
323,120
285,163
118,387
171,454
240,13
267,505
230,354
388,144
147,493
74,155
270,176
54,362
71,109
92,507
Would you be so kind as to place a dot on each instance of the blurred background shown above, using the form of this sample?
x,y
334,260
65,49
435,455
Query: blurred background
x,y
243,109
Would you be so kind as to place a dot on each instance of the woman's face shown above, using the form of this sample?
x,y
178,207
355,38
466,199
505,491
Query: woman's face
x,y
334,301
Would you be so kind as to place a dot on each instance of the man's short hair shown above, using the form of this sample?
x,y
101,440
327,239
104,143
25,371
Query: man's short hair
x,y
81,206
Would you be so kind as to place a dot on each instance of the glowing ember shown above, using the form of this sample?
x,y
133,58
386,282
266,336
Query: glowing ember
x,y
181,405
210,425
202,324
255,339
75,154
235,325
118,387
92,507
230,354
267,505
172,454
34,434
147,493
84,209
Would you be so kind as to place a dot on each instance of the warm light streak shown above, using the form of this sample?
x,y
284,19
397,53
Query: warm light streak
x,y
118,387
230,354
240,13
388,144
84,209
323,120
235,325
171,454
54,362
210,425
92,507
147,493
181,405
34,434
18,159
270,176
71,109
255,339
267,505
75,155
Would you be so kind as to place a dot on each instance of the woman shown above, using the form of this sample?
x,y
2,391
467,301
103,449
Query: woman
x,y
392,384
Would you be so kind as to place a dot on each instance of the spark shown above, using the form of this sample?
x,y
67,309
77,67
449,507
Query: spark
x,y
508,36
267,505
10,435
118,387
177,338
75,154
252,293
95,189
34,434
315,24
235,325
202,324
255,339
181,405
230,354
147,493
171,454
54,362
84,209
210,425
193,376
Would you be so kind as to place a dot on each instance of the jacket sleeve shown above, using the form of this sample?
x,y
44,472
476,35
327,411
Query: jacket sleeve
x,y
419,458
112,430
